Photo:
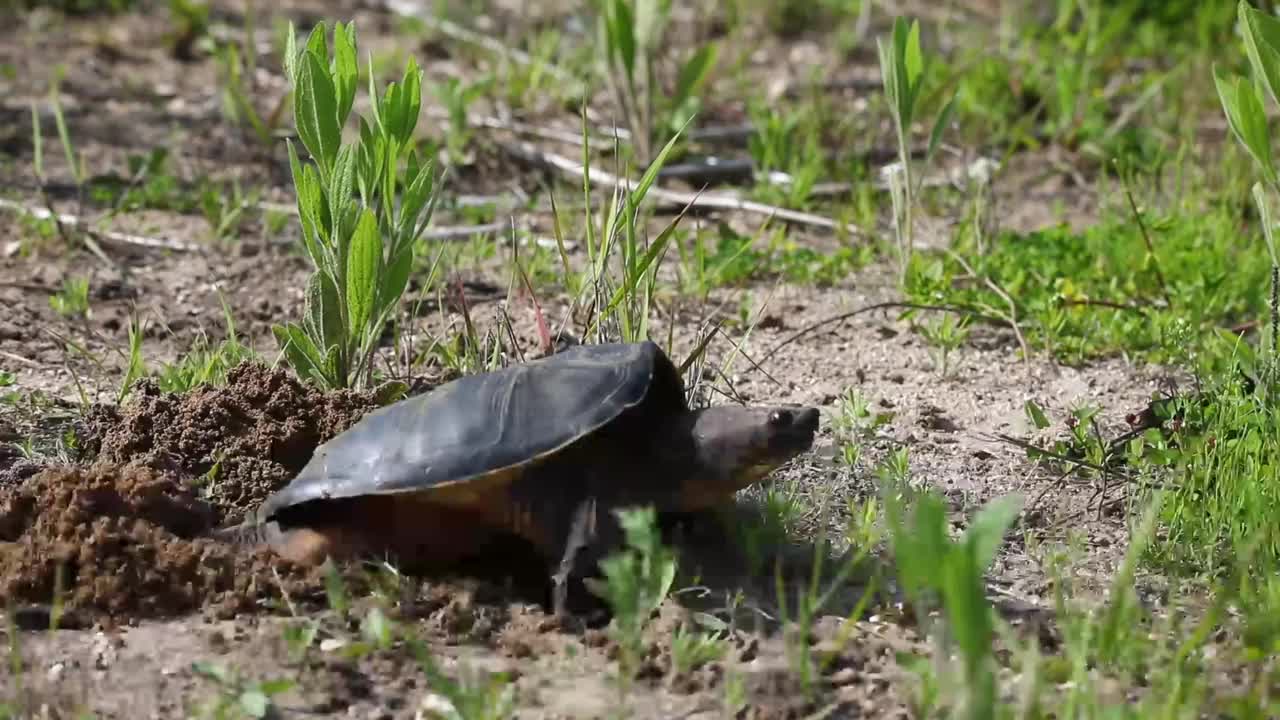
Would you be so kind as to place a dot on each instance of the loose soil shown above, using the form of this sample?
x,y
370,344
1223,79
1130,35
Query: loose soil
x,y
122,541
242,440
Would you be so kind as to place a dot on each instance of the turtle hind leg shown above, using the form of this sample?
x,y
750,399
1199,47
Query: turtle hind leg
x,y
301,544
249,534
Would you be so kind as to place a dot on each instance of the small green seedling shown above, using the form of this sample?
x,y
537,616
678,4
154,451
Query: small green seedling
x,y
902,69
456,97
236,697
73,299
945,335
636,582
691,649
934,568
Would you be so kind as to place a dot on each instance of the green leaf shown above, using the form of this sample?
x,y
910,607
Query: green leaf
x,y
367,173
939,126
390,148
301,353
967,610
37,142
323,318
316,42
316,113
275,687
291,56
694,73
387,115
1262,44
1246,118
1266,219
410,101
376,628
311,208
421,190
888,73
395,279
363,266
211,671
622,39
254,703
1036,414
636,272
989,526
344,68
651,174
342,185
912,59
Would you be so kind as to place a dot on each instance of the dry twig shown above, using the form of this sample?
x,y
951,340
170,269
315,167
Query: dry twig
x,y
564,165
1004,322
106,237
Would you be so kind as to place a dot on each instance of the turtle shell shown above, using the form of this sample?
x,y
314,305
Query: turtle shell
x,y
466,437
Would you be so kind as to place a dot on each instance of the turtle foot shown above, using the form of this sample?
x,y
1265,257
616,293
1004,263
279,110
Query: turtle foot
x,y
576,609
249,533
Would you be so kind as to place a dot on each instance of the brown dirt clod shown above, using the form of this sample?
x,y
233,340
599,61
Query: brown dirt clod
x,y
259,430
126,541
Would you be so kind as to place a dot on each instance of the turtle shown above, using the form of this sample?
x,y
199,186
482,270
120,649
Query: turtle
x,y
542,450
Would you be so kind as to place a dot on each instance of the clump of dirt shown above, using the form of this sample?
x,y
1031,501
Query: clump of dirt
x,y
254,433
14,468
126,540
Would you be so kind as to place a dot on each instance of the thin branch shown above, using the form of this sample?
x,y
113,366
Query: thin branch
x,y
108,237
569,167
1106,304
19,359
1004,322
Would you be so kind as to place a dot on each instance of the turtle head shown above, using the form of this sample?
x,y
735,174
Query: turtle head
x,y
736,446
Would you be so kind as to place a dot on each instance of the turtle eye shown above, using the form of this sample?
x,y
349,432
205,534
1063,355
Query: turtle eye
x,y
778,418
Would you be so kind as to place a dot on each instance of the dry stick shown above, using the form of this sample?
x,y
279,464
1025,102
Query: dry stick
x,y
492,122
1080,462
19,359
831,188
103,236
700,200
1004,322
441,232
1055,485
1107,304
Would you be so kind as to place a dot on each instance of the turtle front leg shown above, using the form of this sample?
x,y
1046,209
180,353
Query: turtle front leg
x,y
591,532
581,530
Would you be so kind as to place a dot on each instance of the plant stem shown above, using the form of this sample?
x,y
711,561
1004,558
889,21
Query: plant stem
x,y
905,249
1275,327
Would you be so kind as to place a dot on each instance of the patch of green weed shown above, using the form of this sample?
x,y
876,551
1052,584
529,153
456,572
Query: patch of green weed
x,y
732,259
1082,295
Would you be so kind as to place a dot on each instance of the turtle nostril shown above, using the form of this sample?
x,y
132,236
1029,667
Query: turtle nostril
x,y
808,419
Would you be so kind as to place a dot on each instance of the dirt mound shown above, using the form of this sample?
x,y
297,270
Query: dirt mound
x,y
241,440
126,540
